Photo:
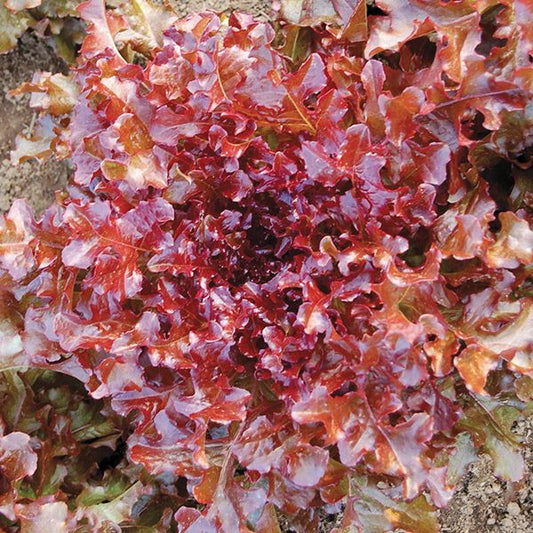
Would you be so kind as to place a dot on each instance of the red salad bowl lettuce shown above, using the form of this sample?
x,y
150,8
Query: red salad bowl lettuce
x,y
298,262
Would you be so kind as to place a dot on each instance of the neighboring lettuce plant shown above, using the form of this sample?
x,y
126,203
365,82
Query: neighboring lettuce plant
x,y
56,20
294,268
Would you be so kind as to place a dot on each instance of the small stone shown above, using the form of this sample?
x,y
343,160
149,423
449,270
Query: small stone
x,y
382,485
507,523
496,488
491,521
513,509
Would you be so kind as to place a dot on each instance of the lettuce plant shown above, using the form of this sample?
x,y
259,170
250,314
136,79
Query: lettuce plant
x,y
57,20
297,263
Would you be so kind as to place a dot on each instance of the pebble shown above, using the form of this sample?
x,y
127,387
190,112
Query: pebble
x,y
513,509
507,523
496,488
491,521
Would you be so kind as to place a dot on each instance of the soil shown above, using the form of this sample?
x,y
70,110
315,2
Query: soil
x,y
482,503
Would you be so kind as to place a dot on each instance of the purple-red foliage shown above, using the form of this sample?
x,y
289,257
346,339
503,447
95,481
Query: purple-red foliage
x,y
296,267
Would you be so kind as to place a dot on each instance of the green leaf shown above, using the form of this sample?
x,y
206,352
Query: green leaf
x,y
115,511
524,388
465,455
13,26
375,512
490,424
416,515
296,45
15,392
54,480
102,431
113,486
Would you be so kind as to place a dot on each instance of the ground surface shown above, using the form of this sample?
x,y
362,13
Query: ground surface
x,y
482,503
